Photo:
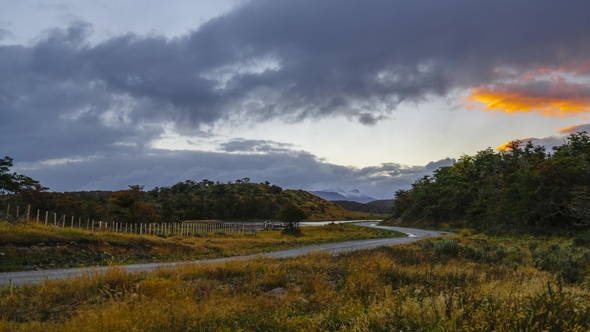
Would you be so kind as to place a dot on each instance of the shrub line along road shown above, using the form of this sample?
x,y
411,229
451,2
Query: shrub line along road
x,y
29,277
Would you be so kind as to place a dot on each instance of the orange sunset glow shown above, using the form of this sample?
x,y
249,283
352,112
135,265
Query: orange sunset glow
x,y
570,129
503,147
524,102
506,146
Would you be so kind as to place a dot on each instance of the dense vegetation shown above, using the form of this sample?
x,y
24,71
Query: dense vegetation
x,y
516,188
382,206
188,200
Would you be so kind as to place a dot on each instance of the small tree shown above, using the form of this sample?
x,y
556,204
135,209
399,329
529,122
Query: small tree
x,y
12,183
292,215
129,206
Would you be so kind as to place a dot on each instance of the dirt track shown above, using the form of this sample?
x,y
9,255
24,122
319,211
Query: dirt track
x,y
20,278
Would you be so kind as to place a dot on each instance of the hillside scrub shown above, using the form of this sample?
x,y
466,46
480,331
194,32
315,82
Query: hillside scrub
x,y
188,200
27,246
522,187
464,283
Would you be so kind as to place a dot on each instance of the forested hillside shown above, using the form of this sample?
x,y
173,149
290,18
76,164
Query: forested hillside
x,y
240,200
521,186
379,206
188,200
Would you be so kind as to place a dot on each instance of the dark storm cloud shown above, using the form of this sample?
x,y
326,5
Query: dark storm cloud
x,y
276,59
61,97
288,169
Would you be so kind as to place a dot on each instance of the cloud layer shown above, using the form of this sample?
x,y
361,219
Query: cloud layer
x,y
284,167
102,105
563,91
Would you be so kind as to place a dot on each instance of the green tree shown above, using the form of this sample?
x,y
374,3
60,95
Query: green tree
x,y
129,206
11,183
520,186
292,215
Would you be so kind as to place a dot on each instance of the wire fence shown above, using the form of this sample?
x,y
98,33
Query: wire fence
x,y
25,214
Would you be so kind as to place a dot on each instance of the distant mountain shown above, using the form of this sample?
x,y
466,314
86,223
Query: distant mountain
x,y
380,206
329,196
337,194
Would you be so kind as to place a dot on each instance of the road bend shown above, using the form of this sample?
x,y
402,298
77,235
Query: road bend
x,y
414,234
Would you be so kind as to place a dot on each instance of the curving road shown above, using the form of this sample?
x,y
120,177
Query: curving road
x,y
28,277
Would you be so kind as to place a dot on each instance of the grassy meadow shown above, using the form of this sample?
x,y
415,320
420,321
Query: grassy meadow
x,y
468,282
33,246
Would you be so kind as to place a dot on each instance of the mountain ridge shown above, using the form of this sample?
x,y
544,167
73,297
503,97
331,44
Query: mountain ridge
x,y
337,194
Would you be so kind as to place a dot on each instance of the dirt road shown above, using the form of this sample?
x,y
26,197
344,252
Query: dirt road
x,y
20,278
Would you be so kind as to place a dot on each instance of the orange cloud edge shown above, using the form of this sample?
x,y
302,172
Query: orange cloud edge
x,y
524,102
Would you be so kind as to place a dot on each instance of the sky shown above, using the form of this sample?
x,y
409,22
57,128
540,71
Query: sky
x,y
100,95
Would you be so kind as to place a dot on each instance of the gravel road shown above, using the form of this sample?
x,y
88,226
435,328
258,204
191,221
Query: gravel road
x,y
28,277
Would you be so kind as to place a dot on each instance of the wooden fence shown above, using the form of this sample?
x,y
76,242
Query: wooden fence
x,y
160,228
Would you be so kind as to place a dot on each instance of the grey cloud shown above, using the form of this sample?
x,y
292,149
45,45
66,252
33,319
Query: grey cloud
x,y
293,169
281,59
63,6
62,97
5,34
248,145
369,119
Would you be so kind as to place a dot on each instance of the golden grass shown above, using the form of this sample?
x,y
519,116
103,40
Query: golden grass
x,y
402,288
19,245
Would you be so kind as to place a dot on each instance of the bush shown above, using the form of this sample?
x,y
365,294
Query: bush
x,y
564,263
443,248
582,240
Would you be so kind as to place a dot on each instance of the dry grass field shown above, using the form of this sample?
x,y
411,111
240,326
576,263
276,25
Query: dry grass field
x,y
464,283
32,246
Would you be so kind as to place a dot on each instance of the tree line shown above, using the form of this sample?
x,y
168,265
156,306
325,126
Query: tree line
x,y
520,186
188,200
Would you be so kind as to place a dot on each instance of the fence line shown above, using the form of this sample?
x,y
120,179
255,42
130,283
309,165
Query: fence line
x,y
154,228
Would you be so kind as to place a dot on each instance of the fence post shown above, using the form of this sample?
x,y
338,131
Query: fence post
x,y
8,210
72,224
17,208
37,216
28,212
46,217
54,219
79,222
63,222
